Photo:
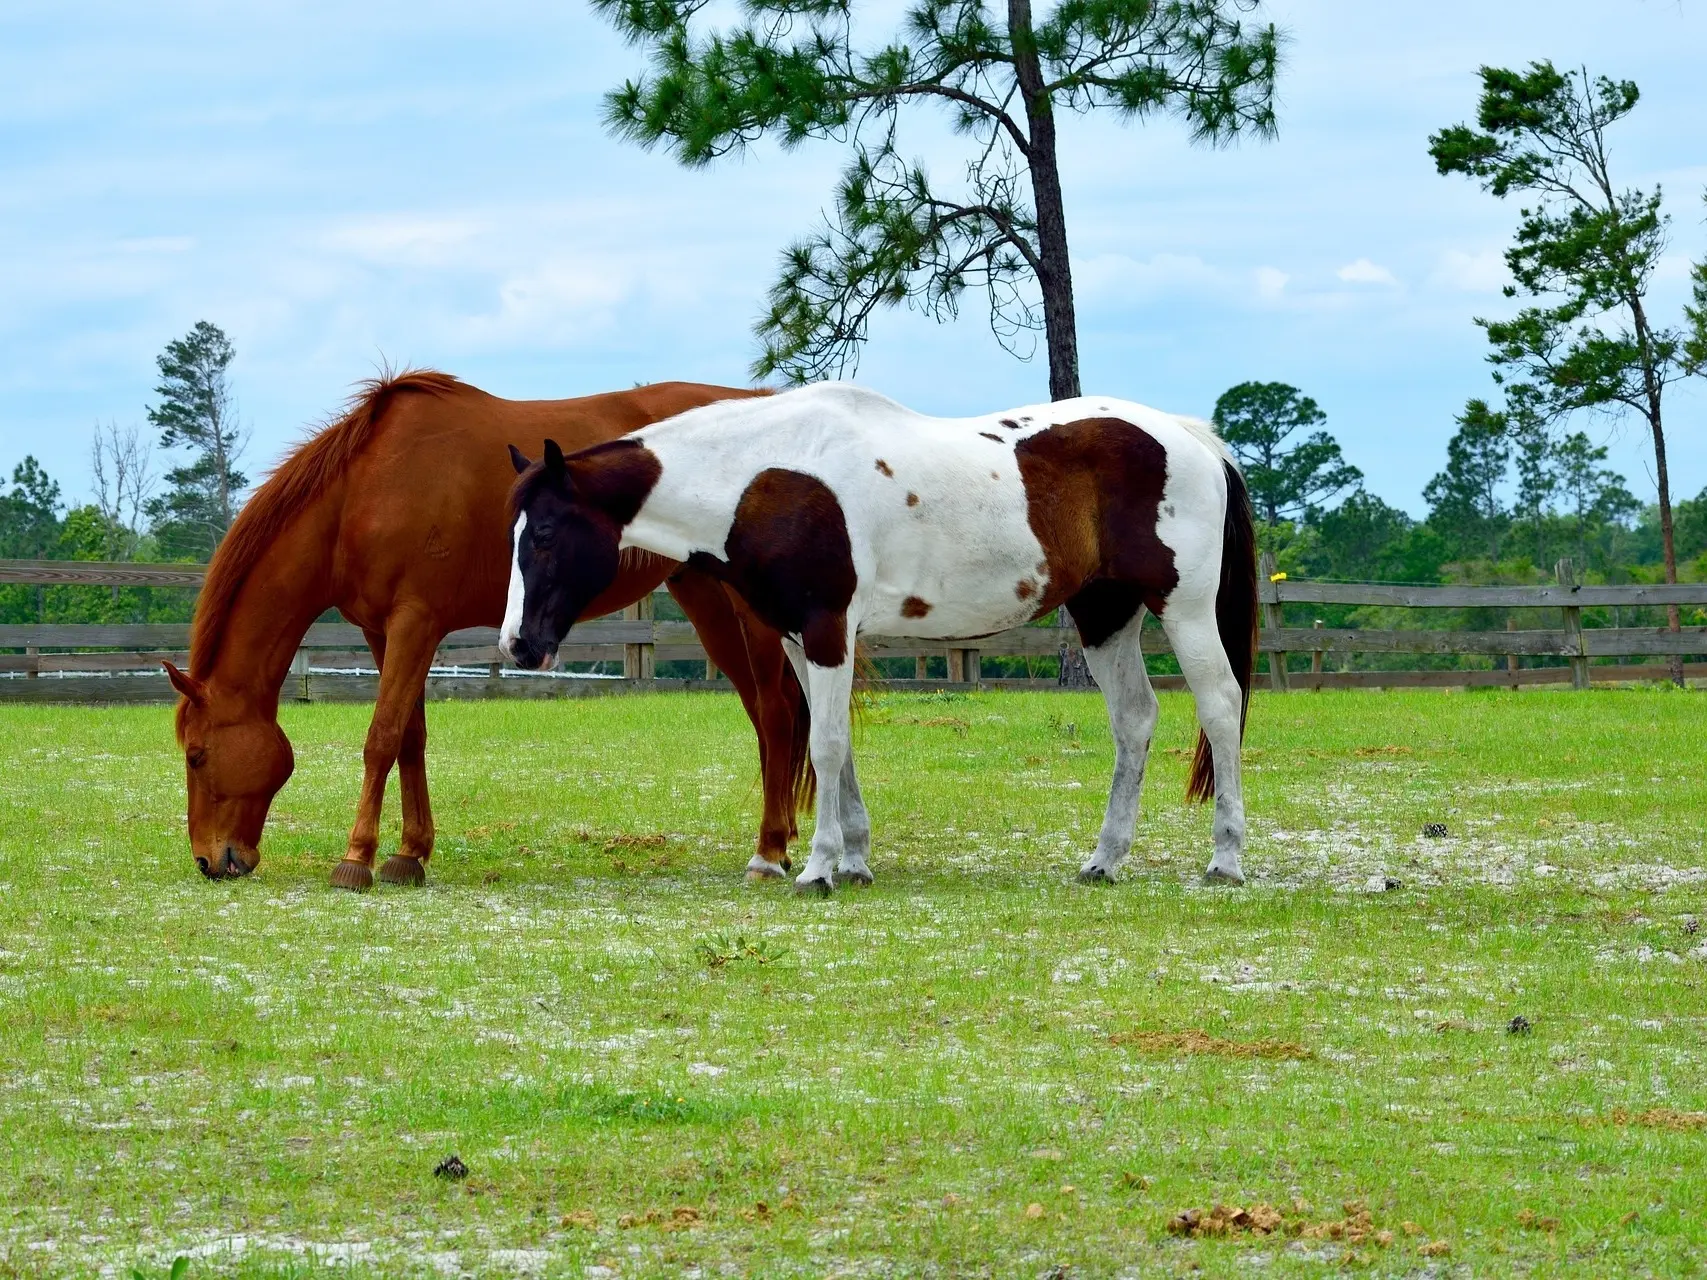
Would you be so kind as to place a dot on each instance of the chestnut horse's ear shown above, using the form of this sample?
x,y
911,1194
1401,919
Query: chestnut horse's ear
x,y
187,685
519,460
553,458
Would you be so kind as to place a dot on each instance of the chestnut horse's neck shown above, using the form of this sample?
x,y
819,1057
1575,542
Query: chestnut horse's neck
x,y
287,588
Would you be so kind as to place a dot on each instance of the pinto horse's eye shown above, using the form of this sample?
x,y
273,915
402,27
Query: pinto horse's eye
x,y
197,758
542,535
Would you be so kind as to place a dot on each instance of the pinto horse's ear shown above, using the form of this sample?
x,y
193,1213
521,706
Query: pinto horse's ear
x,y
519,460
186,684
553,458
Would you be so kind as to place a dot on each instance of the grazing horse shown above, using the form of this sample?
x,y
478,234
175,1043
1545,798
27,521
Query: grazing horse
x,y
831,509
394,516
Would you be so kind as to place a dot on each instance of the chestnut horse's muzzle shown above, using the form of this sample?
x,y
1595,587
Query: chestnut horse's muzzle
x,y
228,863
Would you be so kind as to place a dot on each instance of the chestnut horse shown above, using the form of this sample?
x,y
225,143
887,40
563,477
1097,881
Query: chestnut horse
x,y
394,515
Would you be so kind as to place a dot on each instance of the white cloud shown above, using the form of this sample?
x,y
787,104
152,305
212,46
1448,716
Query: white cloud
x,y
1363,271
1271,283
413,241
1462,272
1115,277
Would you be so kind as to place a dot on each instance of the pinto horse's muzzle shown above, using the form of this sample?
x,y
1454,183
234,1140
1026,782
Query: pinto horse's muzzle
x,y
531,655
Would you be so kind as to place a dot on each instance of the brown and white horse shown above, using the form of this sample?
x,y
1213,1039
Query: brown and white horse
x,y
831,509
394,515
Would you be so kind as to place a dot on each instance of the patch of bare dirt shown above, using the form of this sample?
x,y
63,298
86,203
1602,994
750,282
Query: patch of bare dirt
x,y
1201,1042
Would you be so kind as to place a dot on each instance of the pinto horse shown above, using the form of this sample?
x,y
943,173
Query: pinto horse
x,y
831,509
394,516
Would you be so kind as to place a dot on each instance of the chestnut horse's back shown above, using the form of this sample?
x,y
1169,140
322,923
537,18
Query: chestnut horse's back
x,y
423,502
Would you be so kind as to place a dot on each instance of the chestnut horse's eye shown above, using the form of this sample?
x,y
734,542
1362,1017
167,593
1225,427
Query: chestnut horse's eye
x,y
196,758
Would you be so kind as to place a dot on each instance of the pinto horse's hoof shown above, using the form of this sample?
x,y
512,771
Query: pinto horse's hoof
x,y
1225,879
356,876
402,869
1095,875
859,877
822,888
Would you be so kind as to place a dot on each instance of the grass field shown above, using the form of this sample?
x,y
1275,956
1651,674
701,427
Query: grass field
x,y
978,1066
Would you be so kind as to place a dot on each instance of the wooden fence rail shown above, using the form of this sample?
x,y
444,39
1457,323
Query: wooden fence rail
x,y
119,662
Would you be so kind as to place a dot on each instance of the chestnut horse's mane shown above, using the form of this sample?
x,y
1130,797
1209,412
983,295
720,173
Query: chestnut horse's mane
x,y
306,473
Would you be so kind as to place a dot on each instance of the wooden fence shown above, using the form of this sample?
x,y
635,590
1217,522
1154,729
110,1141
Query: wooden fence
x,y
94,662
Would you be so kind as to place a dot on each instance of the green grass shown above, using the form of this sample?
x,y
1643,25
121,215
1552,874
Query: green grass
x,y
589,1007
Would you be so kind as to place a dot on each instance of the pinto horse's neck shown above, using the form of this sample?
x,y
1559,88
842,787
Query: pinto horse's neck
x,y
290,586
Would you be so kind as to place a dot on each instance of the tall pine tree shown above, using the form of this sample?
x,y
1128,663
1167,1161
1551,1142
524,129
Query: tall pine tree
x,y
198,412
1006,79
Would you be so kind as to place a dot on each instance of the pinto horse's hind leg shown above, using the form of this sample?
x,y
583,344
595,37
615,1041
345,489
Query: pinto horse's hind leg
x,y
1220,708
409,646
1118,667
828,690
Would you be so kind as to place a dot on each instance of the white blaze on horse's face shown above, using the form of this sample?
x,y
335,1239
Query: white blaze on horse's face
x,y
514,605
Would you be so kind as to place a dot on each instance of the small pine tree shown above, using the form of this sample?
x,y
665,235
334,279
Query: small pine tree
x,y
1288,478
198,412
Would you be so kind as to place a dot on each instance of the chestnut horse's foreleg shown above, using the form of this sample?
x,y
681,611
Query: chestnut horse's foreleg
x,y
408,864
406,867
750,653
408,653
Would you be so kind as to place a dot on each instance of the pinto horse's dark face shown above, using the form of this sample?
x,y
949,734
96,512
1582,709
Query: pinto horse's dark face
x,y
563,555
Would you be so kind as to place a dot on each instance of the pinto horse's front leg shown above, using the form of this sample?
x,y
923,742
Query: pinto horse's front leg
x,y
828,690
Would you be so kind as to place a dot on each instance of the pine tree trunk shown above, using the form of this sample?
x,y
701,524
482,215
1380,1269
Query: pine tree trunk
x,y
1662,479
1055,276
223,464
1663,482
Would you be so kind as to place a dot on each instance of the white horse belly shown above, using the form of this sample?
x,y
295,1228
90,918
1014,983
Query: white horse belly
x,y
961,561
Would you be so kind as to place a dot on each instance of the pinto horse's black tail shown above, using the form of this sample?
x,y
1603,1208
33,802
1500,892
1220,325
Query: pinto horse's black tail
x,y
1235,618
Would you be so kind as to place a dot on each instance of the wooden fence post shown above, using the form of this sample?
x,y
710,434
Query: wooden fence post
x,y
921,668
299,673
1273,620
1511,658
1566,574
1074,671
1316,660
32,651
710,668
964,665
639,661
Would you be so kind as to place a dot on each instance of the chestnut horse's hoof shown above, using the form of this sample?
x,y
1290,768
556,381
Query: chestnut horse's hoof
x,y
402,869
352,875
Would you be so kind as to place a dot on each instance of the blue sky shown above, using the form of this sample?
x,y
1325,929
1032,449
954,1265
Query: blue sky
x,y
427,182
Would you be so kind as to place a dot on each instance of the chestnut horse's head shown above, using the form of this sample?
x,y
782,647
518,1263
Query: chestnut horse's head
x,y
235,761
565,547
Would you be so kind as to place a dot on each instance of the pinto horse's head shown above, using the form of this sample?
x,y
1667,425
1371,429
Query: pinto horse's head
x,y
564,553
235,761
